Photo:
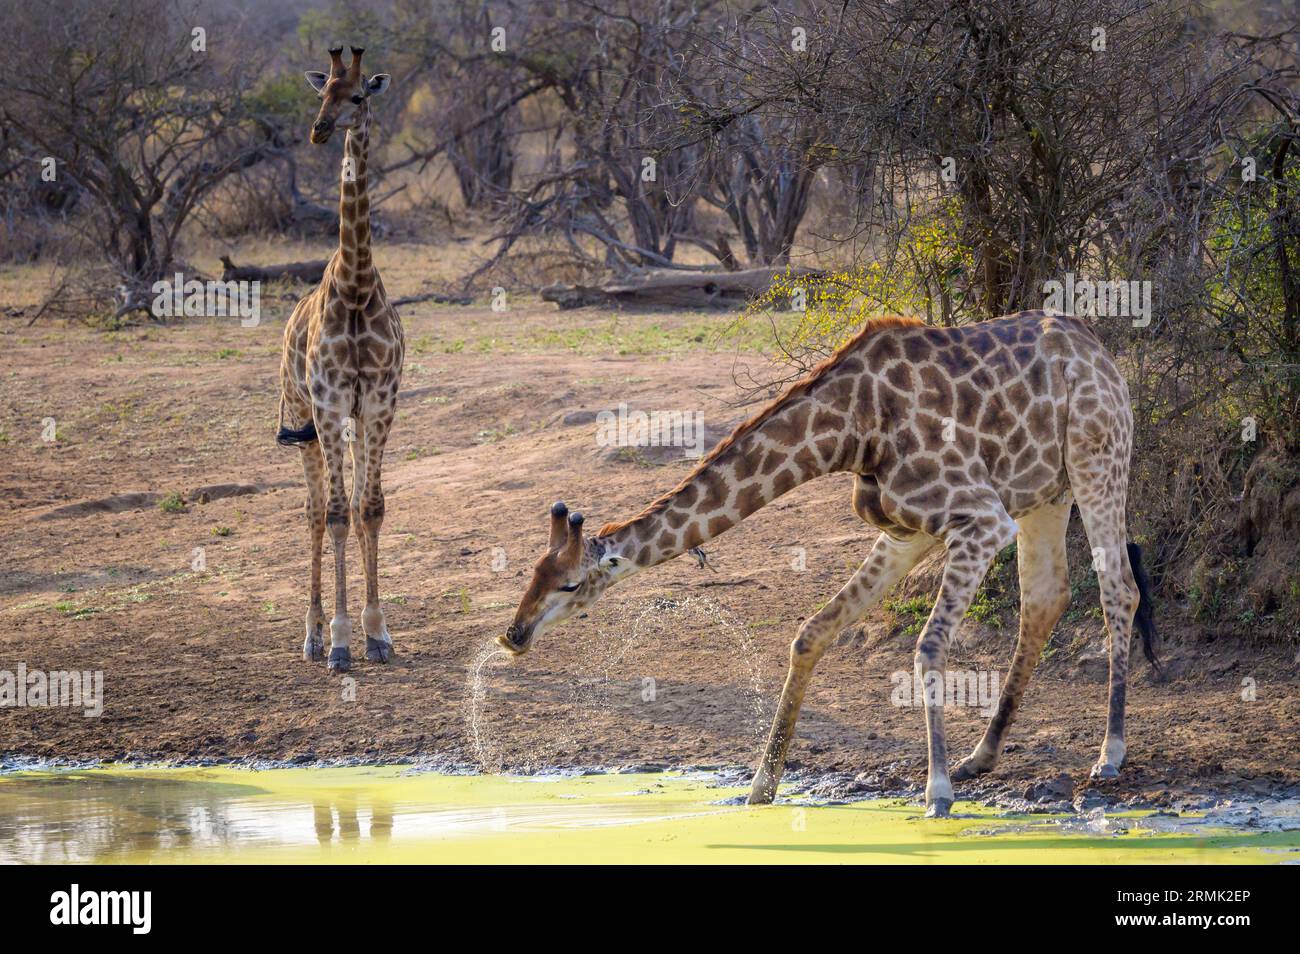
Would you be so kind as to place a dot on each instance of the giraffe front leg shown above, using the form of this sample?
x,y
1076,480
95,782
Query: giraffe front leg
x,y
379,642
888,562
333,445
379,645
804,653
340,657
969,557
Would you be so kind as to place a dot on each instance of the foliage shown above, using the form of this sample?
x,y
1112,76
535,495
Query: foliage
x,y
1254,234
927,273
137,119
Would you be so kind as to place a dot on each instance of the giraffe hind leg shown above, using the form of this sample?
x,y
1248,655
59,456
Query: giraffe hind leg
x,y
313,465
1100,492
1044,595
1119,602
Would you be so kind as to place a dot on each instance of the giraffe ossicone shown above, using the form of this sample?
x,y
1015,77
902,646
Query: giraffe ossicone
x,y
341,366
963,439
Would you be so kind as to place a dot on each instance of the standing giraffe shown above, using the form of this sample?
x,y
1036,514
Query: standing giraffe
x,y
339,375
967,437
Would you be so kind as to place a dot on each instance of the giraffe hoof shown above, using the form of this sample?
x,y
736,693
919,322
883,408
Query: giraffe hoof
x,y
313,650
379,650
762,790
340,659
1105,770
939,808
968,769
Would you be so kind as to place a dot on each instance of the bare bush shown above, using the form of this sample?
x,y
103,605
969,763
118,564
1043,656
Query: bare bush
x,y
134,115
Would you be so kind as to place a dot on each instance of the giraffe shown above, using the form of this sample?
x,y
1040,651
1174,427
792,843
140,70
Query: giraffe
x,y
962,438
340,370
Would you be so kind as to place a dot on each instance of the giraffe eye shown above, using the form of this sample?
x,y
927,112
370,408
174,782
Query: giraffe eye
x,y
356,100
569,589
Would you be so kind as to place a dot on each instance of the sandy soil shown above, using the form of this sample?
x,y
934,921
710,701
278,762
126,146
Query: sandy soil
x,y
495,424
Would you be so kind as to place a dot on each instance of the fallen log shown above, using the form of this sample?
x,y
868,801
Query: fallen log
x,y
309,272
438,297
674,288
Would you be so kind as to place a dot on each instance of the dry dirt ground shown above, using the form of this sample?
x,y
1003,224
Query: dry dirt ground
x,y
495,423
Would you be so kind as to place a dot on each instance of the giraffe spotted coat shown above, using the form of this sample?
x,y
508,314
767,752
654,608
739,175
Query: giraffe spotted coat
x,y
962,438
340,372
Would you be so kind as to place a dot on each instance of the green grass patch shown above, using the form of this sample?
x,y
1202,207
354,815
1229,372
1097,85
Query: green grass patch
x,y
911,613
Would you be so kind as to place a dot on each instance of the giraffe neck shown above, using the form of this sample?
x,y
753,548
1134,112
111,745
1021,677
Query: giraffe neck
x,y
355,273
807,434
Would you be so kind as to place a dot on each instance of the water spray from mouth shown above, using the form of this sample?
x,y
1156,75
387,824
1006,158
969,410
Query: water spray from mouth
x,y
606,682
477,692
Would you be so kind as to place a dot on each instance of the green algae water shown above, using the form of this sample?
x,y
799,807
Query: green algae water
x,y
395,815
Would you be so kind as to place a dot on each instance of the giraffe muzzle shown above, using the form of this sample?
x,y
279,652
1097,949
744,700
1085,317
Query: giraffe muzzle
x,y
517,639
320,131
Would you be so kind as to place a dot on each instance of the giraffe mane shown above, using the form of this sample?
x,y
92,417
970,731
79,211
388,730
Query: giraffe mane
x,y
796,390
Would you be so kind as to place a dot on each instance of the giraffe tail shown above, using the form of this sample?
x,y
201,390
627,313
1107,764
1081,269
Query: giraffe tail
x,y
1143,618
288,437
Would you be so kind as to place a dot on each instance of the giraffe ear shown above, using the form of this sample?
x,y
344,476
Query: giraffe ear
x,y
317,79
378,83
609,562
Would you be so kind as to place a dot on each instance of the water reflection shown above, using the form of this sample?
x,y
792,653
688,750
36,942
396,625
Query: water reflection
x,y
389,814
341,820
145,815
95,817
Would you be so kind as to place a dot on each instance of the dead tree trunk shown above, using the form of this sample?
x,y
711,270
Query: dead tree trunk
x,y
309,272
673,288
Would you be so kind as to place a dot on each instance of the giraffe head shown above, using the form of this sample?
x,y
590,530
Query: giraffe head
x,y
345,94
569,577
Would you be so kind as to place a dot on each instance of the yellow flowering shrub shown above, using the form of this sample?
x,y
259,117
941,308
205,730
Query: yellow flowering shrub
x,y
926,277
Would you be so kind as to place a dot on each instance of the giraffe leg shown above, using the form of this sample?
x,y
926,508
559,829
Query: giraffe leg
x,y
1097,465
1044,595
1104,522
357,448
888,562
379,643
313,465
330,432
971,549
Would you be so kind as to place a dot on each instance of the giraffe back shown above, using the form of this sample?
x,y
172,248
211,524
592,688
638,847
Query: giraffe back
x,y
990,406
